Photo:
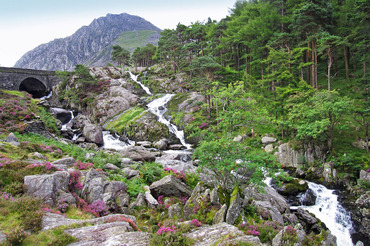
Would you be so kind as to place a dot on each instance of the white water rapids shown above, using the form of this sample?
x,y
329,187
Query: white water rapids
x,y
331,213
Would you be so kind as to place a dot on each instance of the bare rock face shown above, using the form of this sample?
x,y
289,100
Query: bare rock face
x,y
170,186
215,234
47,186
308,152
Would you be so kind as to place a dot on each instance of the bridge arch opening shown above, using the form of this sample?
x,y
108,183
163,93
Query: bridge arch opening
x,y
33,86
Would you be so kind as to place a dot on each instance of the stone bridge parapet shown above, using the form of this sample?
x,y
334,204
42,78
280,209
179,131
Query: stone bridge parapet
x,y
37,82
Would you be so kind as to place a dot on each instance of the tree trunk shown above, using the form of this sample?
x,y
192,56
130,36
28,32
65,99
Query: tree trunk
x,y
330,62
346,63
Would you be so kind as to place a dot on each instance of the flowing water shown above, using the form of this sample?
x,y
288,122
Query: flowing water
x,y
331,213
134,78
158,107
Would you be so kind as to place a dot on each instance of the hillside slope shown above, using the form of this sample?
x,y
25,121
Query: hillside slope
x,y
90,45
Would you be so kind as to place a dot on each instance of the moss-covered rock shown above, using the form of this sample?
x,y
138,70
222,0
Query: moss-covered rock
x,y
293,187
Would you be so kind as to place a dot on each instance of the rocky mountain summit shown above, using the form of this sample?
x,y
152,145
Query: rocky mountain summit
x,y
90,45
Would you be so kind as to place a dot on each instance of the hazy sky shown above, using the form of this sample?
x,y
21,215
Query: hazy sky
x,y
25,24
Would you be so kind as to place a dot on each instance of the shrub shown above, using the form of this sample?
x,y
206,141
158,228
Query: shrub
x,y
16,236
169,236
151,172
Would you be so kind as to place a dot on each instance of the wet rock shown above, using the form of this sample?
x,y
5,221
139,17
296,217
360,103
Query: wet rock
x,y
62,114
47,186
309,221
12,139
309,198
177,147
220,215
93,134
170,186
145,144
218,234
137,153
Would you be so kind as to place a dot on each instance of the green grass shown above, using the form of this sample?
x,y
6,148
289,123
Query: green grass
x,y
118,125
132,39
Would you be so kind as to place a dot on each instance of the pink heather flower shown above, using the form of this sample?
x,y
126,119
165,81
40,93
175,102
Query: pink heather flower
x,y
196,223
165,229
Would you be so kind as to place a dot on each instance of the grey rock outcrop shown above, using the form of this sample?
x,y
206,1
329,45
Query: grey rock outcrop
x,y
210,235
270,195
169,186
47,186
220,215
235,208
306,153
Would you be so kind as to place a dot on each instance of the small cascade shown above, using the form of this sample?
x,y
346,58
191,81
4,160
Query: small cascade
x,y
64,127
158,107
113,142
331,213
145,88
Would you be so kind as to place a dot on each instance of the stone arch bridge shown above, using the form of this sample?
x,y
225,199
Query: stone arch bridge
x,y
36,82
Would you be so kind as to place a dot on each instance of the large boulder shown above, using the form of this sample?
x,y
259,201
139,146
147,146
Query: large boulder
x,y
309,221
169,186
273,212
62,114
137,153
93,134
12,139
47,186
93,186
38,127
220,234
270,195
110,107
68,162
268,140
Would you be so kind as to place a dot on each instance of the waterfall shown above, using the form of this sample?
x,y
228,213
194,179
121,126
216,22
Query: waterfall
x,y
331,213
134,78
64,127
158,107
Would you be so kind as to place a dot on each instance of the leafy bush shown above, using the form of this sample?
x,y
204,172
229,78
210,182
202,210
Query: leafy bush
x,y
151,172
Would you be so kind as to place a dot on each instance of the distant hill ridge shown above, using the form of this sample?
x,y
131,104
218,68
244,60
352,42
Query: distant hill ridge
x,y
91,45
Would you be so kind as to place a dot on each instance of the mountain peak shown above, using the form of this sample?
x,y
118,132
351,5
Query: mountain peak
x,y
89,45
